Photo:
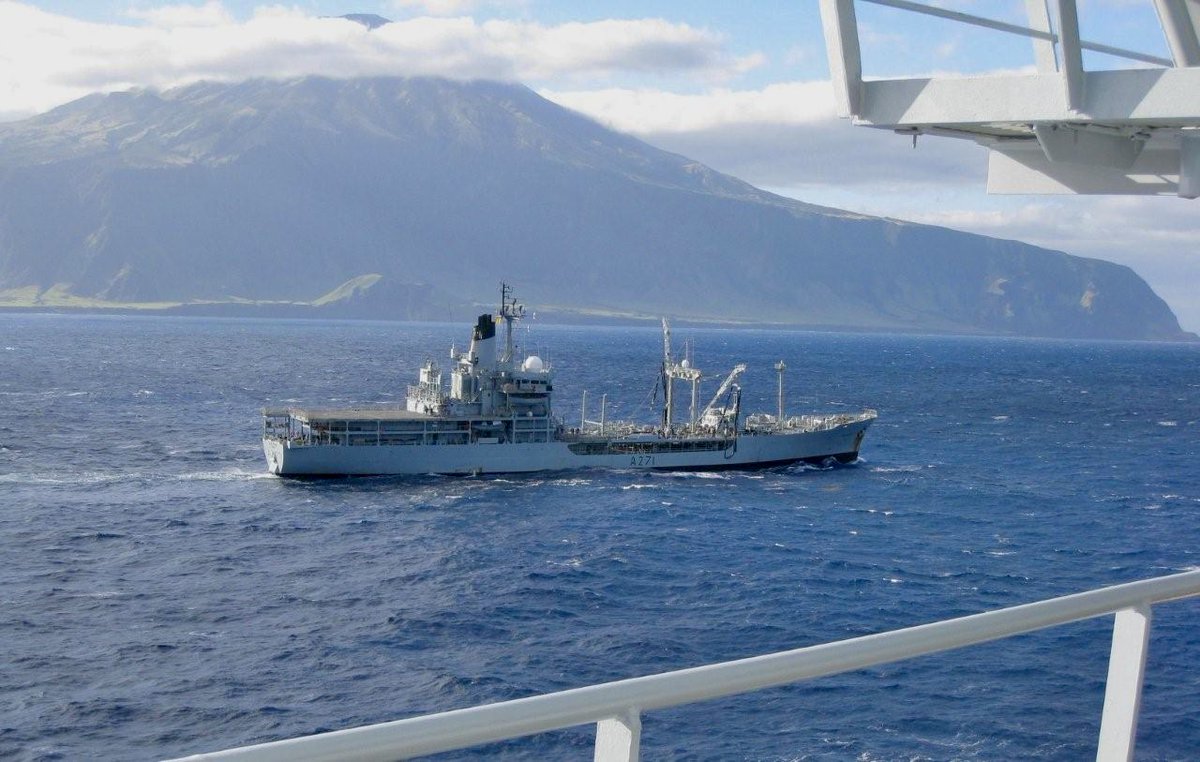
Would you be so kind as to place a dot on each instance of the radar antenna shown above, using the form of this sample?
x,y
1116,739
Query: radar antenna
x,y
780,368
510,311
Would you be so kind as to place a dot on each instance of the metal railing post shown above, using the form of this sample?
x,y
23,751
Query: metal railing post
x,y
1123,691
619,739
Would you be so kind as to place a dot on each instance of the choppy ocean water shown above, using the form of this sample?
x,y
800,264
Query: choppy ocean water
x,y
162,595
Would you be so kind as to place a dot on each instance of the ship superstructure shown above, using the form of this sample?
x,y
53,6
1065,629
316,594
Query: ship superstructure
x,y
496,416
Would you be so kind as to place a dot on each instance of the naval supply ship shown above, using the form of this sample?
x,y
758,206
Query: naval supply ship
x,y
496,417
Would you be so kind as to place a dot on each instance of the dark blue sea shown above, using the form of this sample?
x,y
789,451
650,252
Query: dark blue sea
x,y
161,595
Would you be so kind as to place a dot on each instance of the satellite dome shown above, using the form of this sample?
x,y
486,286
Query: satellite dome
x,y
533,363
686,363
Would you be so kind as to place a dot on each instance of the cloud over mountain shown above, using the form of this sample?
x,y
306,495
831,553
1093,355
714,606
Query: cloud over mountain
x,y
51,58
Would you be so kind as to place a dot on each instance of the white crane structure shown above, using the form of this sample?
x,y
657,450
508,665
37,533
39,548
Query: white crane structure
x,y
1059,129
713,415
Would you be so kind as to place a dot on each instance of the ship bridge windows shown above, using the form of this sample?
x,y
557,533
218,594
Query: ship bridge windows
x,y
526,427
525,386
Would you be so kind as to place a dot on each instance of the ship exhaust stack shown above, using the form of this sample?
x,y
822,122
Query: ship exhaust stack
x,y
483,342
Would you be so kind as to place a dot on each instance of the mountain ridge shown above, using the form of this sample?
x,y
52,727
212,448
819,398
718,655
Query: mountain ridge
x,y
283,191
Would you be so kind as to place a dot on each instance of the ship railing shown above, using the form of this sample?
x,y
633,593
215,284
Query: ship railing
x,y
427,393
616,708
610,430
277,423
765,423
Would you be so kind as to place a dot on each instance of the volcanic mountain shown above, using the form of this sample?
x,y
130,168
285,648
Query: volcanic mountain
x,y
416,197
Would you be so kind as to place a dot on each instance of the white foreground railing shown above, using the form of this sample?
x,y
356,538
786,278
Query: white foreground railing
x,y
616,707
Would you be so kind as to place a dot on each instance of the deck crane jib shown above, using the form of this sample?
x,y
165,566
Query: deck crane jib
x,y
717,417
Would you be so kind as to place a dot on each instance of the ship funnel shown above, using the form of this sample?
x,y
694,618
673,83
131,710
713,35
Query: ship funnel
x,y
483,342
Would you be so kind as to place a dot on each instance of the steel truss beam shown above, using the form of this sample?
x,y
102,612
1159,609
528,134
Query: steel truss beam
x,y
1061,130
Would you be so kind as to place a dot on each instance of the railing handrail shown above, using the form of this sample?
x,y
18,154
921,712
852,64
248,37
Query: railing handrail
x,y
461,728
1024,31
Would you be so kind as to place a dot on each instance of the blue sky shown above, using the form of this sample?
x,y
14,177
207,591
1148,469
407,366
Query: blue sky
x,y
741,87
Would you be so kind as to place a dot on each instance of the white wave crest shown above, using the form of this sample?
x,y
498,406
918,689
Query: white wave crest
x,y
83,477
576,482
230,475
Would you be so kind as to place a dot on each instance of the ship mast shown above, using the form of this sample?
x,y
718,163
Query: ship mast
x,y
666,376
671,371
510,311
780,368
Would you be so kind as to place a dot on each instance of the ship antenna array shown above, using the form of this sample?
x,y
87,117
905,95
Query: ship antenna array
x,y
671,371
780,368
509,311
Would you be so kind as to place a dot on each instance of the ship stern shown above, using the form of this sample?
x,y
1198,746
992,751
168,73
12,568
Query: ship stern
x,y
274,450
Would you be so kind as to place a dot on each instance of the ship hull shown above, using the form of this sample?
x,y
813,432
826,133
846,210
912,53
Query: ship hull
x,y
746,451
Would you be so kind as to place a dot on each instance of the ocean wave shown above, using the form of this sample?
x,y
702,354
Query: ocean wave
x,y
85,478
573,482
233,475
97,478
45,394
898,469
209,455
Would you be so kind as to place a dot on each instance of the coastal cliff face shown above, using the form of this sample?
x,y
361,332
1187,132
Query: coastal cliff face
x,y
414,198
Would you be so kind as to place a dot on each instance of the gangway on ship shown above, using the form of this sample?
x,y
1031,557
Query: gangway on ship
x,y
616,708
1059,128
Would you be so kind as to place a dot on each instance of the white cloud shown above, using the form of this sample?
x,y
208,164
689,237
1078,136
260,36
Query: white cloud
x,y
603,47
212,13
803,55
452,7
47,59
647,111
437,7
784,135
947,49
